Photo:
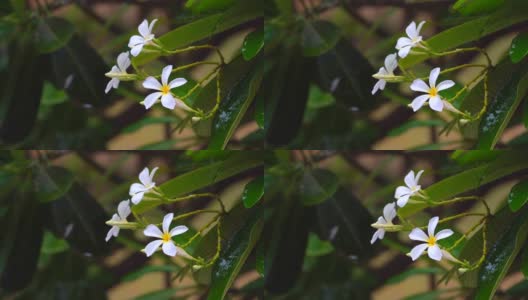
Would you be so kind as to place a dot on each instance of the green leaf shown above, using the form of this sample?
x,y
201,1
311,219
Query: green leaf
x,y
318,37
203,6
506,163
149,269
52,244
52,34
470,157
412,272
149,121
513,12
524,263
500,257
52,183
505,95
52,96
253,192
259,111
233,257
318,98
206,27
476,7
253,43
237,162
164,294
233,107
518,196
317,247
317,186
415,124
519,47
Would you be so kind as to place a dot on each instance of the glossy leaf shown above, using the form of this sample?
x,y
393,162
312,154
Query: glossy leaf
x,y
518,196
319,37
519,47
52,34
52,183
476,7
317,186
234,256
253,192
253,43
500,257
233,107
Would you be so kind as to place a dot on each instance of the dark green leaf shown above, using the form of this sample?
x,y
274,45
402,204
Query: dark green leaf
x,y
233,107
524,263
476,7
317,186
52,183
52,34
319,37
202,6
253,43
259,110
519,290
317,247
164,294
519,47
149,269
52,96
52,244
415,124
469,157
253,192
518,196
148,121
413,272
233,257
318,98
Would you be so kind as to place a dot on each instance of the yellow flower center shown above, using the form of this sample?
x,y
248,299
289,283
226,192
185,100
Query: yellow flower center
x,y
165,89
166,237
433,92
431,241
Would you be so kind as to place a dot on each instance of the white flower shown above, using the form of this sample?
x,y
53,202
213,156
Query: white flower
x,y
413,38
430,240
388,69
403,193
138,190
164,88
431,90
146,36
165,237
389,212
123,211
123,62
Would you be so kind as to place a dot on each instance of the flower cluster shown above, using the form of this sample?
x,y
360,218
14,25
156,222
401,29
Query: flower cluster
x,y
137,193
385,222
431,95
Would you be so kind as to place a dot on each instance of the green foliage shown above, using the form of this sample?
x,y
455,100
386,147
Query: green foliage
x,y
518,196
253,192
519,47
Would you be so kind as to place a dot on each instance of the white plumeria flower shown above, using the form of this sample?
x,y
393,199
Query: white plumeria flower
x,y
164,88
146,36
413,38
435,101
123,211
388,70
403,193
165,237
138,190
433,250
389,212
123,62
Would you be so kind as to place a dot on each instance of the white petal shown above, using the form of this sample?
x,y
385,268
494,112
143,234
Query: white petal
x,y
169,248
409,179
419,28
435,103
404,51
391,63
381,220
152,247
417,251
419,85
165,73
110,85
144,28
444,85
411,30
434,252
167,221
123,61
418,175
402,201
401,191
151,26
432,226
152,83
442,234
144,177
403,42
136,40
418,102
380,85
418,235
137,198
433,76
151,99
377,235
389,212
136,50
178,230
123,209
114,231
152,173
168,101
177,82
136,188
153,231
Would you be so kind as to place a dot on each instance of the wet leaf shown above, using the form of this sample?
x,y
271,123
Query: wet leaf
x,y
518,196
519,47
253,192
253,43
